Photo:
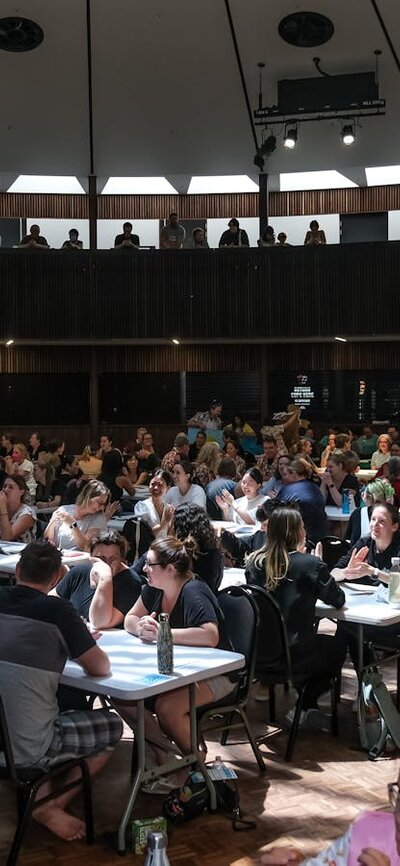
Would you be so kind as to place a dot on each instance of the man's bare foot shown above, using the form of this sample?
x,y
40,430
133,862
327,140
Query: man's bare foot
x,y
60,823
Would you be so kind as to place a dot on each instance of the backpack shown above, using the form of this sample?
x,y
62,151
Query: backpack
x,y
139,537
193,798
377,716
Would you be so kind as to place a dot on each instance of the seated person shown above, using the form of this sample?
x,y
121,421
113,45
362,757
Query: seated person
x,y
184,492
378,490
111,471
336,478
199,240
236,549
243,510
147,457
328,451
373,839
72,527
282,240
180,449
235,452
173,234
267,238
155,511
37,635
89,464
58,490
382,453
297,580
268,460
300,489
365,445
371,556
196,446
127,240
34,240
210,420
101,592
17,518
20,464
195,620
193,527
207,463
225,479
73,243
234,236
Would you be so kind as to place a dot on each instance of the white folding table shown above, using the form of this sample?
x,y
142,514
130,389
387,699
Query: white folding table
x,y
9,560
134,677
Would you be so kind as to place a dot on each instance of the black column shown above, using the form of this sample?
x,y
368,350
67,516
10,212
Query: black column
x,y
263,203
92,211
94,396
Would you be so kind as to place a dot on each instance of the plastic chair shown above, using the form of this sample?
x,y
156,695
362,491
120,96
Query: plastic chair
x,y
274,664
241,621
28,781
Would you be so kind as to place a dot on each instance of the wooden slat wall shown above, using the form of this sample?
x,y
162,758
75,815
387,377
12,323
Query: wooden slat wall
x,y
354,200
159,359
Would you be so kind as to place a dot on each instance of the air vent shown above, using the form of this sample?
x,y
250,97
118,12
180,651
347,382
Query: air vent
x,y
306,29
19,34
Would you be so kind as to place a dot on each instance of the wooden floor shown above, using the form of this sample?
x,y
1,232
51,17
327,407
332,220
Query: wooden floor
x,y
306,803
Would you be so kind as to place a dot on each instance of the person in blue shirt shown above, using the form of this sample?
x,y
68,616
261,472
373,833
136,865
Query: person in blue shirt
x,y
298,488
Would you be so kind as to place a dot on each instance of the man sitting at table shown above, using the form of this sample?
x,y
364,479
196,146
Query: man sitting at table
x,y
37,635
102,591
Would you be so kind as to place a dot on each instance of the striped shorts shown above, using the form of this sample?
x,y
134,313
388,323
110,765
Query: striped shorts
x,y
81,733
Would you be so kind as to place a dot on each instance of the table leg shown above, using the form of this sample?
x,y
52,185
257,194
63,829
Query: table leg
x,y
140,743
360,647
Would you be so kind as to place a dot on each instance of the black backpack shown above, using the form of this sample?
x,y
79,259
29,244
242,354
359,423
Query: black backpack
x,y
139,537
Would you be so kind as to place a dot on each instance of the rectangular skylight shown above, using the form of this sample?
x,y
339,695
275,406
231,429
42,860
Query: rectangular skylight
x,y
301,180
222,183
382,175
46,183
138,186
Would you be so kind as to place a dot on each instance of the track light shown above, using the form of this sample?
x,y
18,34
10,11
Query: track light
x,y
290,137
347,134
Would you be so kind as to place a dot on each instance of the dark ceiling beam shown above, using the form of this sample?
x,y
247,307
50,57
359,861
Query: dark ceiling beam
x,y
241,74
386,33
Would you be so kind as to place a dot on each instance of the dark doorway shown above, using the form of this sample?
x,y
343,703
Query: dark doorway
x,y
359,228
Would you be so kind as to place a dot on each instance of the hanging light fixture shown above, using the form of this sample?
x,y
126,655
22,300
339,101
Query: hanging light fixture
x,y
347,134
290,137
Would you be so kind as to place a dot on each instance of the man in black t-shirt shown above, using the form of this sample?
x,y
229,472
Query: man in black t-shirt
x,y
127,240
104,591
37,635
34,240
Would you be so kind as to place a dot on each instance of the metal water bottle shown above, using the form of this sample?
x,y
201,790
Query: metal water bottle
x,y
157,850
165,651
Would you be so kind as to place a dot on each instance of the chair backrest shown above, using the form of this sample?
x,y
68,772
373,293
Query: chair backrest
x,y
139,537
242,626
5,746
213,510
332,549
273,652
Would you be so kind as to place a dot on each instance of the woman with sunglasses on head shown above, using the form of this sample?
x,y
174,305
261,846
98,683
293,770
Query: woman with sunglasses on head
x,y
195,620
73,526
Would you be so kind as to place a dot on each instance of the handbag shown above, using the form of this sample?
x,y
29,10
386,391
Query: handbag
x,y
193,798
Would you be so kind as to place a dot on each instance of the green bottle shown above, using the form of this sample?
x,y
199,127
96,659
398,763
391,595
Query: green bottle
x,y
165,650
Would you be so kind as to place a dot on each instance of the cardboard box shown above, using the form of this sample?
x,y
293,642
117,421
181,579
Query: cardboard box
x,y
142,827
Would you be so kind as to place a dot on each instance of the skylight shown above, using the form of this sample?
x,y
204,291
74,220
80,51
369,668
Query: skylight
x,y
222,183
46,183
139,186
301,180
381,175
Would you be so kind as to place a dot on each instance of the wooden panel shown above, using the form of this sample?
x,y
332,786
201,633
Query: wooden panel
x,y
353,200
187,206
13,204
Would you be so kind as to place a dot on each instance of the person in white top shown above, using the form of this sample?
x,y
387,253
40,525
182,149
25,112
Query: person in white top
x,y
243,510
18,463
382,454
154,510
17,518
73,526
184,492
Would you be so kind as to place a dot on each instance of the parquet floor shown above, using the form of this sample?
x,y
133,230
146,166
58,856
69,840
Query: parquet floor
x,y
306,803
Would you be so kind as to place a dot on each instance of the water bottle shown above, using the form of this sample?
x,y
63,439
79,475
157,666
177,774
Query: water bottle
x,y
157,850
165,651
345,502
352,503
394,582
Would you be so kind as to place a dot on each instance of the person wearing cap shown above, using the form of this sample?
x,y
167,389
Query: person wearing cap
x,y
234,236
180,449
210,420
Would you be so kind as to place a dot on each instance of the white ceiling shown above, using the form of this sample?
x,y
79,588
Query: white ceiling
x,y
167,98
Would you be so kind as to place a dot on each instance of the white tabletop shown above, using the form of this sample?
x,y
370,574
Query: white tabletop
x,y
134,673
8,563
361,474
232,577
361,607
335,513
239,529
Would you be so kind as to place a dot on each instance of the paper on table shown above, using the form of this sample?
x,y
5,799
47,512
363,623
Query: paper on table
x,y
362,588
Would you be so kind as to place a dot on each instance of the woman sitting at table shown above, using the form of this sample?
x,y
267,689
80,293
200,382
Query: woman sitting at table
x,y
337,478
193,526
234,451
243,510
184,491
273,486
111,471
18,463
297,579
17,518
154,510
371,556
206,466
328,451
378,490
382,454
73,526
195,620
301,490
130,478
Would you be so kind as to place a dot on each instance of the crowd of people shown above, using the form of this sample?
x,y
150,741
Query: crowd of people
x,y
173,237
281,492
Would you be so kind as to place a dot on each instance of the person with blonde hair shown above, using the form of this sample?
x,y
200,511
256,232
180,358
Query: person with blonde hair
x,y
18,463
74,526
382,453
206,466
297,579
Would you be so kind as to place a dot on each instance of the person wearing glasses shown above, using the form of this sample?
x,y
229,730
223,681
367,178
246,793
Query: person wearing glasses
x,y
372,840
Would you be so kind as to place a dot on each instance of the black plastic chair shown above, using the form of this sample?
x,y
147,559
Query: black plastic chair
x,y
139,536
28,781
274,664
332,549
241,622
213,510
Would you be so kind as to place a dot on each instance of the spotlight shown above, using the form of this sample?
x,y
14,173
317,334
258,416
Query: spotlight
x,y
290,137
347,134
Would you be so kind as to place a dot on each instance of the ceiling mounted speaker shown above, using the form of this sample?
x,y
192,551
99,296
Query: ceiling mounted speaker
x,y
306,29
19,34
